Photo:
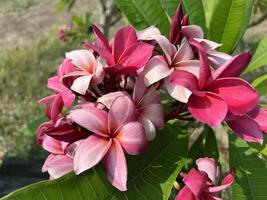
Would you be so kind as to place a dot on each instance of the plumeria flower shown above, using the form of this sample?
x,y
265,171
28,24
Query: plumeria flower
x,y
249,126
161,67
114,134
64,96
216,92
58,163
125,53
201,183
89,69
147,103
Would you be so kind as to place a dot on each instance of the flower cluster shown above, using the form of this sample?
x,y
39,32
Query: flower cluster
x,y
202,183
116,86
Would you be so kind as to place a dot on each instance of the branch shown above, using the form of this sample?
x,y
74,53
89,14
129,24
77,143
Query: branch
x,y
258,21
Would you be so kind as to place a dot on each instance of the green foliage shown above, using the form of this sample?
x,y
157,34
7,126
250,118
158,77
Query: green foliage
x,y
62,4
229,21
251,171
259,58
260,84
141,13
150,175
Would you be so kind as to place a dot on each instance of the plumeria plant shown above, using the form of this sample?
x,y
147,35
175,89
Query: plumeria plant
x,y
122,109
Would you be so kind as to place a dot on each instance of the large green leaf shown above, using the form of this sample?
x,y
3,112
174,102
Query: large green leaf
x,y
251,171
195,9
259,58
150,176
260,84
209,6
229,21
143,13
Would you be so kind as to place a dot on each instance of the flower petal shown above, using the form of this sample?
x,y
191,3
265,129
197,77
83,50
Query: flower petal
x,y
90,152
123,39
196,181
150,97
156,69
193,31
246,128
52,145
154,112
237,93
54,83
115,164
204,68
136,56
185,194
122,111
209,166
139,89
233,67
180,85
175,35
91,118
132,138
149,127
59,165
56,108
81,84
227,181
260,116
146,33
184,52
83,59
67,96
108,98
203,108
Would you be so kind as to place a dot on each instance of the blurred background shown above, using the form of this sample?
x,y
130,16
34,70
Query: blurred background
x,y
34,35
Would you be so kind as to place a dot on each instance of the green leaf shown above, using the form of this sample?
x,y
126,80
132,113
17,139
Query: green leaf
x,y
260,84
195,8
229,21
259,58
209,6
150,176
142,14
251,171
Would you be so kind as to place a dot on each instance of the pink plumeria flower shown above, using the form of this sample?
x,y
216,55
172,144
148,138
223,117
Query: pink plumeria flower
x,y
202,183
147,103
63,97
249,126
58,163
161,67
89,70
114,134
125,53
217,92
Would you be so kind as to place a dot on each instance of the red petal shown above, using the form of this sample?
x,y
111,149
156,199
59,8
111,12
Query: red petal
x,y
185,194
210,109
204,71
233,67
227,181
260,116
137,55
237,93
246,128
196,181
124,38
